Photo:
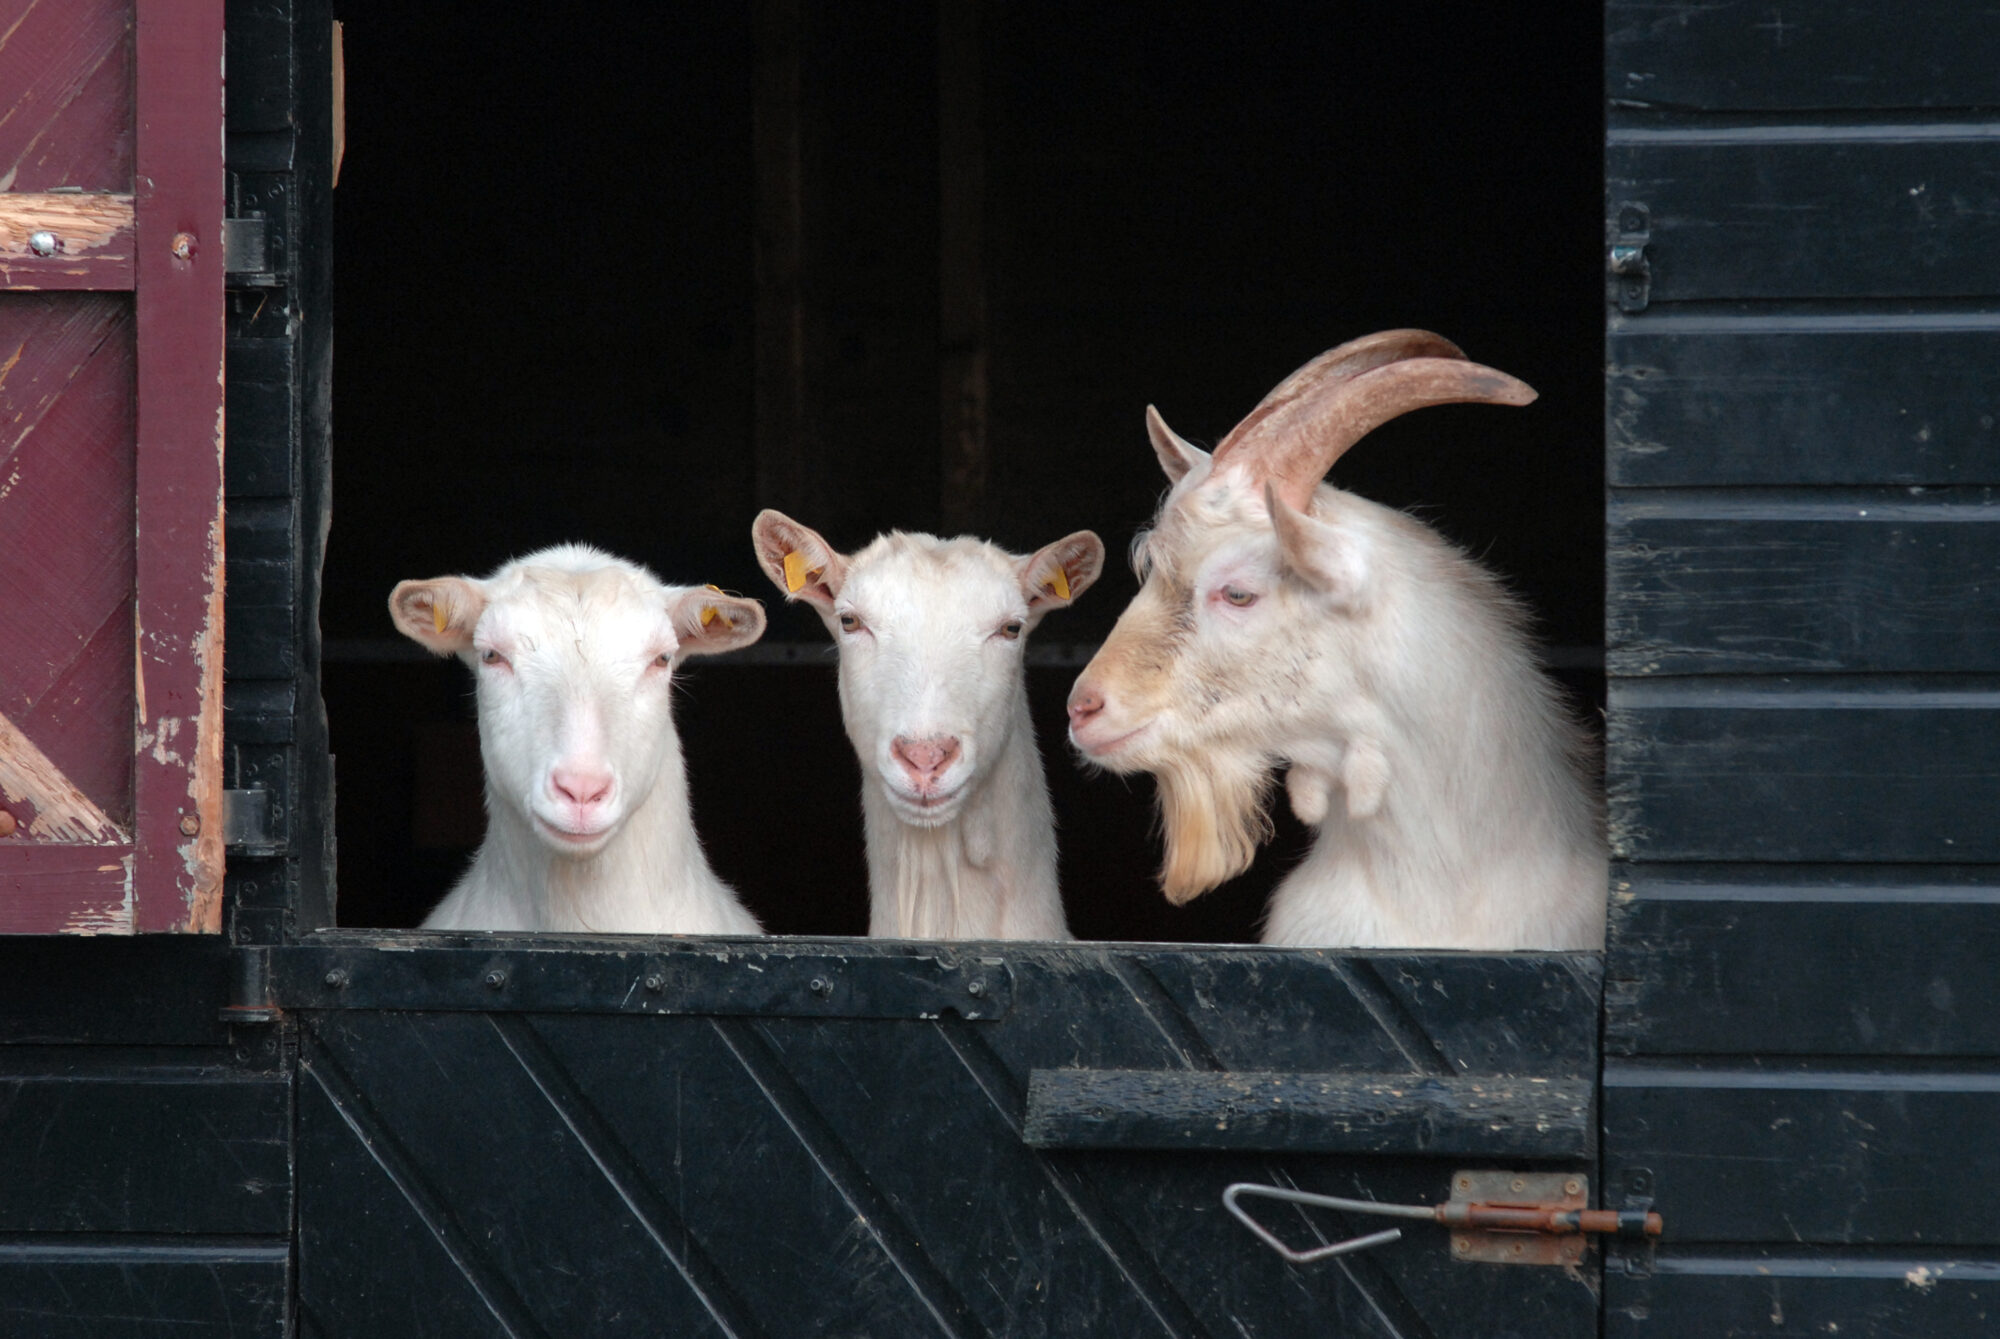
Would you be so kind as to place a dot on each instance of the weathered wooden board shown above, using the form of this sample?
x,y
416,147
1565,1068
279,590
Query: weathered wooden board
x,y
1730,581
1309,1113
1854,960
1878,769
111,1140
1814,212
67,70
145,1289
178,430
66,522
1777,1293
1808,398
1746,55
1865,1152
66,888
596,1166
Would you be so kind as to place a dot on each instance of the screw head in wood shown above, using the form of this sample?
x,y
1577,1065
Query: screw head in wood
x,y
183,247
190,824
44,242
496,979
975,988
7,824
336,979
656,983
1572,1187
820,985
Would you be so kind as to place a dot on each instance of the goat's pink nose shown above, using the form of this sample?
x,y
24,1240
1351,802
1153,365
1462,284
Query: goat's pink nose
x,y
923,759
579,785
1084,702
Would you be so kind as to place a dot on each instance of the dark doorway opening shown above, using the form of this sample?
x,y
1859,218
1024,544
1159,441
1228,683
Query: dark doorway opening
x,y
566,248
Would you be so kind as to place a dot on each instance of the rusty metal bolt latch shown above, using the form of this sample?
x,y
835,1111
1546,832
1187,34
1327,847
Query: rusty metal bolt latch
x,y
1495,1217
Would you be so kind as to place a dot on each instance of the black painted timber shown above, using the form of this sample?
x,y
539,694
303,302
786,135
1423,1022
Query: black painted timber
x,y
1830,960
1803,581
1805,768
1309,1113
1805,1291
1893,213
1743,55
1803,743
278,153
1804,397
767,1164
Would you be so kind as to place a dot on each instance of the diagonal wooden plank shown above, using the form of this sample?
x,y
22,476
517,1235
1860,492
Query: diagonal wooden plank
x,y
696,1134
67,67
66,480
84,721
358,1185
497,1167
60,812
1133,1263
666,1228
849,1175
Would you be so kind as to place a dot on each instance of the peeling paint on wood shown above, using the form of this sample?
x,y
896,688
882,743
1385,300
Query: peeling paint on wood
x,y
179,392
93,235
62,813
51,888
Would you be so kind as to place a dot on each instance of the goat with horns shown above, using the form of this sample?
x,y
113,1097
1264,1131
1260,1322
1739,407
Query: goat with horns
x,y
1282,621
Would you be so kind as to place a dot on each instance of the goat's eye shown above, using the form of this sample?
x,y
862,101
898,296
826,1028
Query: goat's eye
x,y
664,660
1239,597
850,623
1011,630
491,657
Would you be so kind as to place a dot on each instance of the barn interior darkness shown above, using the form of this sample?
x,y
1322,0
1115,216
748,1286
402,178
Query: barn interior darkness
x,y
628,273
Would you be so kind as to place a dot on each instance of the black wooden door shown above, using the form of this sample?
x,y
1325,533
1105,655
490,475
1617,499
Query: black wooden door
x,y
857,1138
1803,206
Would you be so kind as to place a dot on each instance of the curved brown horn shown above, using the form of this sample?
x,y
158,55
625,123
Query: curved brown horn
x,y
1333,368
1292,443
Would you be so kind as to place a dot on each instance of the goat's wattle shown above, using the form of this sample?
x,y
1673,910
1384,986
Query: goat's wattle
x,y
1284,623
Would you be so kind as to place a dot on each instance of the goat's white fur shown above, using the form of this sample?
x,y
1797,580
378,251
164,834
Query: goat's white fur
x,y
1393,674
922,625
573,652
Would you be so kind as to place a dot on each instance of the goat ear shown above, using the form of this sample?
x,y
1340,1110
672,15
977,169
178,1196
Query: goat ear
x,y
799,562
1057,573
1178,456
708,621
438,614
1330,559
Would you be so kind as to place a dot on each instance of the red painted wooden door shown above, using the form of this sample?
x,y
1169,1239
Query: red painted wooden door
x,y
111,345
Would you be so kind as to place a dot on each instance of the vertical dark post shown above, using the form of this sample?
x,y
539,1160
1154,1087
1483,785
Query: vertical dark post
x,y
777,123
962,340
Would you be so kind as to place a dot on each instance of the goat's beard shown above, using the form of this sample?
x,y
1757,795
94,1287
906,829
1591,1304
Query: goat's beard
x,y
1215,813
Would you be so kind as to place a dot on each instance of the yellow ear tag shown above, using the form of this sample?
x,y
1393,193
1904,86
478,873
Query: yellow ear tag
x,y
437,616
795,571
712,586
1059,583
708,613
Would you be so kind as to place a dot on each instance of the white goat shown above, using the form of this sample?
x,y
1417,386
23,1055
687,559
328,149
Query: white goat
x,y
961,839
1284,621
574,652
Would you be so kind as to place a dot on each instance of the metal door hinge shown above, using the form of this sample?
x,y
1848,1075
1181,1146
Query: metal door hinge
x,y
1631,269
246,817
1507,1218
246,251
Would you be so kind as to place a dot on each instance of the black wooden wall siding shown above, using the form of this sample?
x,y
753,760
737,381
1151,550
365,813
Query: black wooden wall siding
x,y
1802,1034
145,1147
